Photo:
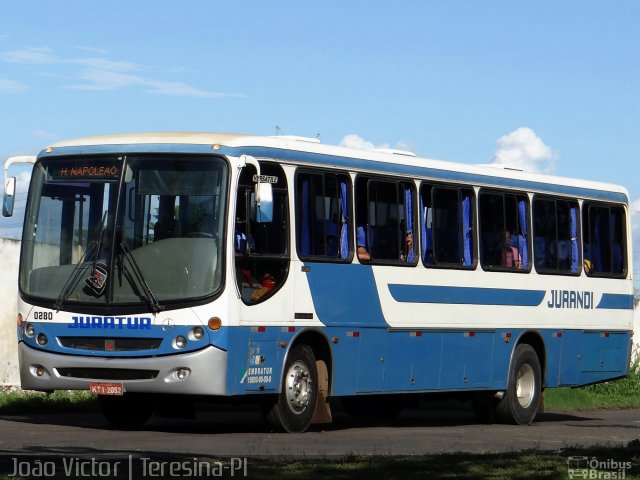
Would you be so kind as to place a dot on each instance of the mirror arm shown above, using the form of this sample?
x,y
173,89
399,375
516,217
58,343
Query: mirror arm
x,y
19,159
10,161
9,192
249,160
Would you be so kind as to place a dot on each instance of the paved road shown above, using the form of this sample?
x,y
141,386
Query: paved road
x,y
234,434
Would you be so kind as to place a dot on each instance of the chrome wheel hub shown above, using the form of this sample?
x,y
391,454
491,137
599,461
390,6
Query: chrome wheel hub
x,y
299,387
525,385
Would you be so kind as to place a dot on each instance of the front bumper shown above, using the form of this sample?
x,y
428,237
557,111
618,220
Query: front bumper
x,y
206,372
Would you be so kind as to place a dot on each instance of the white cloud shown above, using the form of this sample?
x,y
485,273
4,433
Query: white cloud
x,y
11,86
22,182
180,89
84,48
355,141
102,73
96,79
522,148
105,64
39,133
31,56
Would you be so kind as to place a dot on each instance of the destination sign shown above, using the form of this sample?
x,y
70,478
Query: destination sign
x,y
87,172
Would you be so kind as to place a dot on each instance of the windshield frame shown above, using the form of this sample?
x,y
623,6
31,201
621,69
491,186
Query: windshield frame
x,y
115,221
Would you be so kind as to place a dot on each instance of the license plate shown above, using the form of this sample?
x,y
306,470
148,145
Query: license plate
x,y
106,388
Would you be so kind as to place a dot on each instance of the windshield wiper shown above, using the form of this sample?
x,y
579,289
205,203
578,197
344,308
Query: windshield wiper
x,y
73,278
152,300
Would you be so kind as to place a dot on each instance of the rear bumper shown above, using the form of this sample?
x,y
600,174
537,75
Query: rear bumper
x,y
207,371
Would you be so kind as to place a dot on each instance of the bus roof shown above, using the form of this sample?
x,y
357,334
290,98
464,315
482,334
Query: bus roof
x,y
318,154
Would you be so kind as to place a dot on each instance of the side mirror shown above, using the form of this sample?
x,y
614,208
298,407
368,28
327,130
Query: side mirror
x,y
9,196
10,183
264,203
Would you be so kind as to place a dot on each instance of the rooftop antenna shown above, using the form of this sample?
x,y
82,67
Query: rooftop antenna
x,y
279,131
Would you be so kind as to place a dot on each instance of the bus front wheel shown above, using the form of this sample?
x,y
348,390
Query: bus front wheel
x,y
294,408
519,403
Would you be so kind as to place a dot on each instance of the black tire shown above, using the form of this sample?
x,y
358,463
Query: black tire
x,y
129,410
293,410
519,404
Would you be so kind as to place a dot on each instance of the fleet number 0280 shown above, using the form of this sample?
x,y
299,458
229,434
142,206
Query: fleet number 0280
x,y
43,315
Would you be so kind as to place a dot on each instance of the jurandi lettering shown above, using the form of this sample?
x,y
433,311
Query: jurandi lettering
x,y
571,299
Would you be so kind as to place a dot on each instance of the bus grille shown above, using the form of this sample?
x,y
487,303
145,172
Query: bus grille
x,y
111,344
108,373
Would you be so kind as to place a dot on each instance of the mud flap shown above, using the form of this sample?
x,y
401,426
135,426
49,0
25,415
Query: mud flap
x,y
322,413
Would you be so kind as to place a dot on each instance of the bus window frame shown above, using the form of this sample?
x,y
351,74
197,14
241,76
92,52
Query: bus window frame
x,y
286,258
550,271
624,234
367,179
350,215
504,192
474,229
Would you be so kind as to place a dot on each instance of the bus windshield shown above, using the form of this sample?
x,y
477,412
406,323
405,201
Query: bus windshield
x,y
112,230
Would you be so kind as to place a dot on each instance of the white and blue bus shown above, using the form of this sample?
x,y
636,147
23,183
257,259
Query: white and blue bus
x,y
159,269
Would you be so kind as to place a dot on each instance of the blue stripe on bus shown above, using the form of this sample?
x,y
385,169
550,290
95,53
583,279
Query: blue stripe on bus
x,y
345,162
466,295
345,294
615,301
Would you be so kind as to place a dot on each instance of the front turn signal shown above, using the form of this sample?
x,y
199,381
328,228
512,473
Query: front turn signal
x,y
214,323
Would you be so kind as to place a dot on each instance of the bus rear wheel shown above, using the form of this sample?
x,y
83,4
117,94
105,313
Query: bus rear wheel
x,y
294,408
129,410
519,404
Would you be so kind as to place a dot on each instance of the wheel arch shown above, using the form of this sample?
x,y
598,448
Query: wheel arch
x,y
319,343
535,341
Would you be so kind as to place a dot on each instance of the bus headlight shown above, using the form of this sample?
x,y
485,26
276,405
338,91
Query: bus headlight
x,y
197,332
179,342
42,340
29,330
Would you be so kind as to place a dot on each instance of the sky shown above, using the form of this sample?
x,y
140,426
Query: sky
x,y
548,86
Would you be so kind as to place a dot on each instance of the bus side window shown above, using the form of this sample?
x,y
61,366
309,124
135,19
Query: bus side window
x,y
261,248
604,240
322,216
504,225
447,217
385,213
555,236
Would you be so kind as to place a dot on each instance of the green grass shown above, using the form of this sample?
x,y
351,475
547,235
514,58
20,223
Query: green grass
x,y
529,465
18,401
521,465
623,393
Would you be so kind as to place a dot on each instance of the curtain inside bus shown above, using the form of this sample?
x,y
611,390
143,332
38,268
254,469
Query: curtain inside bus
x,y
409,223
523,248
467,229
